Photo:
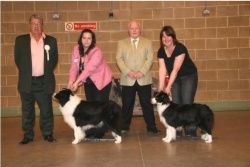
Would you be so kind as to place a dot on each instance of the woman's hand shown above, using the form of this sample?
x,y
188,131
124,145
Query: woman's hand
x,y
70,84
168,90
76,85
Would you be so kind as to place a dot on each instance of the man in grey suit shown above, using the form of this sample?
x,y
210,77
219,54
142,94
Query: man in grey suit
x,y
36,56
134,58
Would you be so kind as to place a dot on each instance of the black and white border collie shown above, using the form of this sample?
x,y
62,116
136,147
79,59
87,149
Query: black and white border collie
x,y
173,116
82,115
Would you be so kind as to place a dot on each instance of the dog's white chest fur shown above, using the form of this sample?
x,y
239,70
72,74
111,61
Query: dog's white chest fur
x,y
160,109
68,110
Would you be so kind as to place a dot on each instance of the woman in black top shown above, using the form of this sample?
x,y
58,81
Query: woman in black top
x,y
174,59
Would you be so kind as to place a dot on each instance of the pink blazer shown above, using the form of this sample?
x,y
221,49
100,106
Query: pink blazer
x,y
95,67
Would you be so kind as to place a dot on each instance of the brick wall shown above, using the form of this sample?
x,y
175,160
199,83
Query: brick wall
x,y
218,43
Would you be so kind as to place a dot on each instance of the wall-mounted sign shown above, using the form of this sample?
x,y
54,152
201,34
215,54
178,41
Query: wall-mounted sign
x,y
75,26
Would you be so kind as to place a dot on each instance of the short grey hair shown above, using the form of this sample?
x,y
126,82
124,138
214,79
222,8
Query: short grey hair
x,y
36,16
134,21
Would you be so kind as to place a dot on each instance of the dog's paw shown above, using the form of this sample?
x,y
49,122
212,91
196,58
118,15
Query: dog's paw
x,y
75,142
165,139
118,140
168,140
204,137
209,139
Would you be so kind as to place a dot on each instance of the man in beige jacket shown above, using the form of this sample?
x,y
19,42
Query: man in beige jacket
x,y
134,58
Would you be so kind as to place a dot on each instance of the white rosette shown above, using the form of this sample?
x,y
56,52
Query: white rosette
x,y
47,48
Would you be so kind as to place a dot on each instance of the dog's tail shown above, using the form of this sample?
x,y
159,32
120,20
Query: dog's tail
x,y
208,118
114,119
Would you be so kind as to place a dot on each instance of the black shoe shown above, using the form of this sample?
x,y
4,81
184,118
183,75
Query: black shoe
x,y
49,138
178,133
99,135
124,131
189,137
90,136
25,141
190,131
155,131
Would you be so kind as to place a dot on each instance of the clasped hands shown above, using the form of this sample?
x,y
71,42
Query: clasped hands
x,y
135,75
166,90
74,85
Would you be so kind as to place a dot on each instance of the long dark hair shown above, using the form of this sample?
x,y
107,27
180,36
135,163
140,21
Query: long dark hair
x,y
169,32
92,45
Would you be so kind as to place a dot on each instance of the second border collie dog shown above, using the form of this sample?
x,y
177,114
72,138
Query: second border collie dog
x,y
82,115
173,116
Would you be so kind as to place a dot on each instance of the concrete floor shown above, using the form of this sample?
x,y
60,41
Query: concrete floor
x,y
230,147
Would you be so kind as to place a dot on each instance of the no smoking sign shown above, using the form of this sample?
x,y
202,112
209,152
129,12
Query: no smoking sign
x,y
75,26
69,26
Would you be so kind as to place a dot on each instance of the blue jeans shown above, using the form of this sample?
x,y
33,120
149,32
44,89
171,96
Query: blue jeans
x,y
184,89
183,92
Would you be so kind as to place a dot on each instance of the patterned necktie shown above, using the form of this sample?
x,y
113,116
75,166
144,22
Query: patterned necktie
x,y
134,46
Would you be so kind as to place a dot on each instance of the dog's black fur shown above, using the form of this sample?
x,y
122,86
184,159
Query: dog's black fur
x,y
87,113
183,115
94,112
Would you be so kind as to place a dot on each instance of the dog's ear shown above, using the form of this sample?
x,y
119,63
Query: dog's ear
x,y
166,99
71,93
155,93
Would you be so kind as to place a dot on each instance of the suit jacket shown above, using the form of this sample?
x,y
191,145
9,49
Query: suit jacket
x,y
22,54
95,67
141,60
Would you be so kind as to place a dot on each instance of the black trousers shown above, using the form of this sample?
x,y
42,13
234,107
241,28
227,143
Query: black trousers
x,y
44,101
128,101
93,94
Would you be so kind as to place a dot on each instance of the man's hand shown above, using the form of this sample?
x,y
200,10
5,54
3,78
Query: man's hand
x,y
138,75
132,74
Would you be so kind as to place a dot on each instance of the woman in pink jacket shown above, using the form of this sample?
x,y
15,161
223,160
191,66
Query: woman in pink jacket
x,y
89,68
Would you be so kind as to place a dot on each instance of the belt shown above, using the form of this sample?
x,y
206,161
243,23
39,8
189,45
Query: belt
x,y
38,77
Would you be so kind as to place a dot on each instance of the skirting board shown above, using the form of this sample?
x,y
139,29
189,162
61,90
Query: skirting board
x,y
215,106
